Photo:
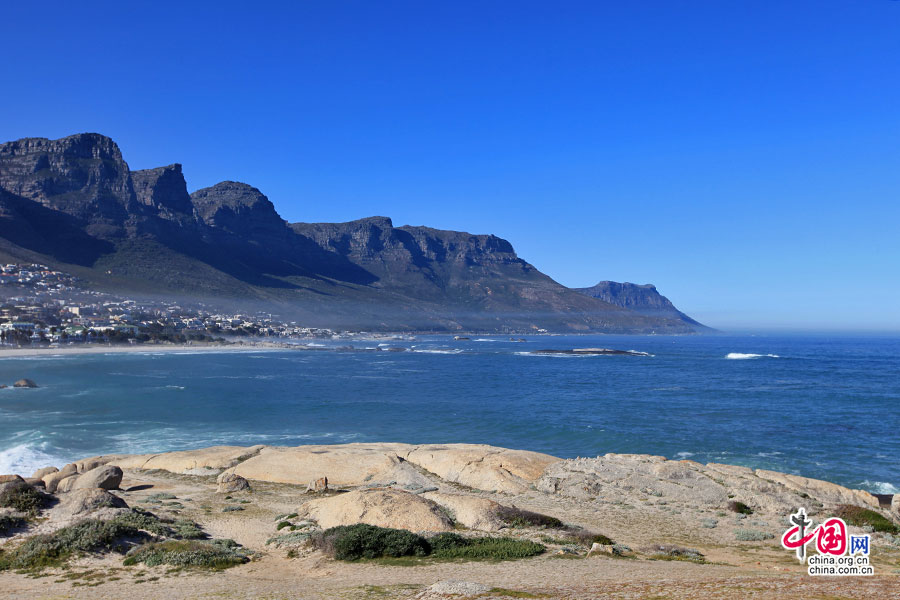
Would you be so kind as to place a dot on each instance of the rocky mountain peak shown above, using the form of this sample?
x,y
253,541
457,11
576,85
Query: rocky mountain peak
x,y
237,208
163,188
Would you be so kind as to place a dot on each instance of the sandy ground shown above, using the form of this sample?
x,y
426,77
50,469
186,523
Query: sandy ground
x,y
733,571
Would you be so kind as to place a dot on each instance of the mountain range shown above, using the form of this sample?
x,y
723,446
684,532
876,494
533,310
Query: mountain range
x,y
74,204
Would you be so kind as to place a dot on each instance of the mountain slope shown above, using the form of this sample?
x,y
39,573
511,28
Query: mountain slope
x,y
74,203
644,299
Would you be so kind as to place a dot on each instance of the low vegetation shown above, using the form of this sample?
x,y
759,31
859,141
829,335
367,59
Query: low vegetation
x,y
863,517
93,535
22,498
353,542
671,552
752,535
212,554
517,517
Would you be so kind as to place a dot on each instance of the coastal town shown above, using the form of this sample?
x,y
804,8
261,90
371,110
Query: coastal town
x,y
42,307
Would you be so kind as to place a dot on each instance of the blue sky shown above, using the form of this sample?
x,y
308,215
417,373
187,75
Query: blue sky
x,y
741,155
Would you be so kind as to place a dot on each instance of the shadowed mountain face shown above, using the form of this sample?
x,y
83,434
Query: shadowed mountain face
x,y
643,299
74,203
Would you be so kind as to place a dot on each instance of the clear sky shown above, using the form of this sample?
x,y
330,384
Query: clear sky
x,y
743,155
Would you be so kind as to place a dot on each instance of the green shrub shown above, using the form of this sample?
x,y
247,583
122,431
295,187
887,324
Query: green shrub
x,y
215,554
233,509
54,549
282,525
740,508
752,535
484,548
187,530
517,517
588,538
862,517
290,539
352,542
22,497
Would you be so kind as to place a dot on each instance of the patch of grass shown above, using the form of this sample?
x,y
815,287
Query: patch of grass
x,y
452,545
752,535
862,517
283,524
517,517
187,530
23,498
162,496
232,508
287,517
740,508
352,542
215,555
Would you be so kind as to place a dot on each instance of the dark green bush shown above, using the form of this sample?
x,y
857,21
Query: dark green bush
x,y
517,517
487,548
862,517
22,497
215,554
352,542
740,508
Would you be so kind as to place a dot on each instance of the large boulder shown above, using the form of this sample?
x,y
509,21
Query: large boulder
x,y
229,482
380,507
41,473
83,501
67,484
8,478
107,477
895,505
51,480
25,383
473,512
483,467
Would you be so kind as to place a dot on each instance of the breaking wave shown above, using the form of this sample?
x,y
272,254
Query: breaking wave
x,y
25,459
880,487
742,356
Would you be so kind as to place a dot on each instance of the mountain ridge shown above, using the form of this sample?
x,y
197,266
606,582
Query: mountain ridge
x,y
74,202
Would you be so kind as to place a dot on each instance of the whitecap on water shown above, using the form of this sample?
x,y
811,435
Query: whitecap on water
x,y
742,356
880,487
25,459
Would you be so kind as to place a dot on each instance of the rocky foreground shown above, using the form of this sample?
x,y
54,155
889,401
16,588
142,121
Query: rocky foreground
x,y
624,526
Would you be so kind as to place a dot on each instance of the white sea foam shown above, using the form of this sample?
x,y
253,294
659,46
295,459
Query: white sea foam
x,y
684,454
25,459
485,340
742,356
639,353
880,487
436,351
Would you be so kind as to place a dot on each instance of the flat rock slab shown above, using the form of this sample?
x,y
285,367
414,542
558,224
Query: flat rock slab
x,y
381,507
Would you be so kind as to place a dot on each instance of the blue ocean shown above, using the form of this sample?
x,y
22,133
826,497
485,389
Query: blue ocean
x,y
818,406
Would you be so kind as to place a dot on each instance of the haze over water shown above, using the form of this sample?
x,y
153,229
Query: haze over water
x,y
823,407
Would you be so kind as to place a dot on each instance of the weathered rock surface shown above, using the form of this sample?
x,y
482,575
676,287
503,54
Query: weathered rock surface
x,y
204,461
349,464
51,480
9,478
482,467
473,512
227,483
454,588
68,484
107,477
40,473
25,383
87,500
381,507
637,477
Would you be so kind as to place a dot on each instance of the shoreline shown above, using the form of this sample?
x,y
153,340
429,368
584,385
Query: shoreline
x,y
120,349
